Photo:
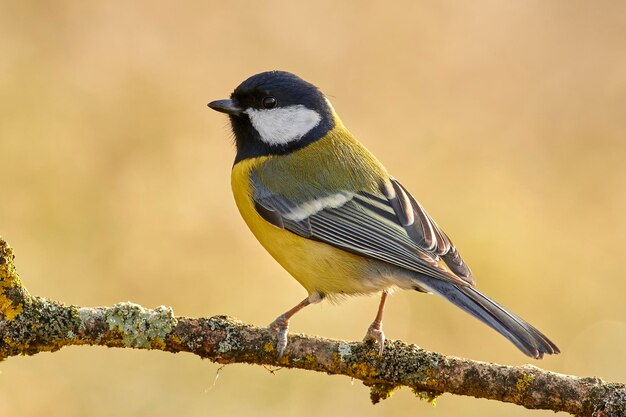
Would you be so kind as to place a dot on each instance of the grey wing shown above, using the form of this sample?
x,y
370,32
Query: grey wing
x,y
372,225
423,229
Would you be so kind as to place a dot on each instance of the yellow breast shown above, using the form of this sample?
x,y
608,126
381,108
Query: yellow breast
x,y
318,267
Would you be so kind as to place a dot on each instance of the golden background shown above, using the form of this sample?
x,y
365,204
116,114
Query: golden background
x,y
507,120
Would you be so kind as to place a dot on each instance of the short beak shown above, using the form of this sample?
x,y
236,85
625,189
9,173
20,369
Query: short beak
x,y
226,106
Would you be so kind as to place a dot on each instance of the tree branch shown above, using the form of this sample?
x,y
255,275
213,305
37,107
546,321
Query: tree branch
x,y
30,324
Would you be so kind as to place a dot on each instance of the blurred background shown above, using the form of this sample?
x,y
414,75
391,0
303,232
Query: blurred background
x,y
506,119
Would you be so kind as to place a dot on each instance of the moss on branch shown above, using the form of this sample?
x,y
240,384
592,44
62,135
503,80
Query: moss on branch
x,y
29,325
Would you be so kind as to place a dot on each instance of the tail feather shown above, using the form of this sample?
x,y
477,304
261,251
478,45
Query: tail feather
x,y
523,335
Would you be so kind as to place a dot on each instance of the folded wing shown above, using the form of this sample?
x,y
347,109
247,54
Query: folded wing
x,y
390,226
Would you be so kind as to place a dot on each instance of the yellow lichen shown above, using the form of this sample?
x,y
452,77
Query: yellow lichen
x,y
363,371
310,361
157,344
379,392
522,385
8,308
428,396
268,347
9,282
176,339
431,382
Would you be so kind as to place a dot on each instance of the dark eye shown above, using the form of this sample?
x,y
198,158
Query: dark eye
x,y
269,102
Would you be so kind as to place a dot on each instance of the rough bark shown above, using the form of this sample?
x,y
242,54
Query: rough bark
x,y
30,324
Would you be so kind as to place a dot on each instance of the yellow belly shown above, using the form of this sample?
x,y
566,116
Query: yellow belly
x,y
318,267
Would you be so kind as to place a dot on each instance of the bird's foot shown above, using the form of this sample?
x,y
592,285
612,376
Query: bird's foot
x,y
281,325
375,333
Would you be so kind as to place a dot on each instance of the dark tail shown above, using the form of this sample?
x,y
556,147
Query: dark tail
x,y
527,339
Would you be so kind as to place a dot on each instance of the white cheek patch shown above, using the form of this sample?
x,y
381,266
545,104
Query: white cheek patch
x,y
309,208
283,125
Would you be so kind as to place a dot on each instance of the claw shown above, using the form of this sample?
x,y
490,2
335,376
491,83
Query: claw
x,y
281,325
375,333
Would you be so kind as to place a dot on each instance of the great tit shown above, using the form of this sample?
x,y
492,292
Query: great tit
x,y
328,212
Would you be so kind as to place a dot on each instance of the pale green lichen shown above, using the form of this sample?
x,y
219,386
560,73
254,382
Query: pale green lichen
x,y
344,350
606,399
140,327
403,362
224,346
231,342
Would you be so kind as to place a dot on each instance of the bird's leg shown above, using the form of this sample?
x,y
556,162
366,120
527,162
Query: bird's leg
x,y
375,331
281,324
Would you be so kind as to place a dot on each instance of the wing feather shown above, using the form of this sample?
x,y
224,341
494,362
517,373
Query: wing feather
x,y
391,227
443,246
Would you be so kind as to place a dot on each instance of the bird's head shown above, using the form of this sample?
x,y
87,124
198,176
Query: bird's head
x,y
275,112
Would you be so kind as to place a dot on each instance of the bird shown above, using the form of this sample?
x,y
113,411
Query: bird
x,y
329,212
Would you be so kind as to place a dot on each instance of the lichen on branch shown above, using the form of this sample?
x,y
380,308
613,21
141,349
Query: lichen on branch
x,y
13,296
31,324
